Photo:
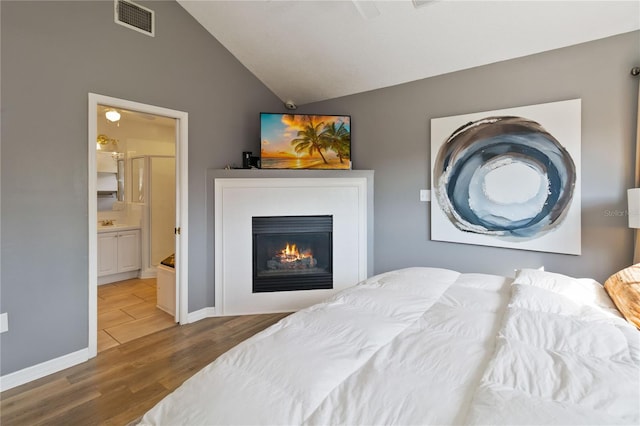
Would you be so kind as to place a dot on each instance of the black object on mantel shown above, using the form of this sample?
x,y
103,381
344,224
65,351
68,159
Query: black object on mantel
x,y
246,159
249,161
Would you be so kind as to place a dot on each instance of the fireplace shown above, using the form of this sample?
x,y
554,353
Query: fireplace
x,y
292,253
242,195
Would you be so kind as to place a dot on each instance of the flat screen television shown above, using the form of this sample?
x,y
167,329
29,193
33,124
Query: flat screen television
x,y
305,141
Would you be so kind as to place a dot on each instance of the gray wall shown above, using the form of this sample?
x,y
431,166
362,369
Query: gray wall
x,y
391,129
53,55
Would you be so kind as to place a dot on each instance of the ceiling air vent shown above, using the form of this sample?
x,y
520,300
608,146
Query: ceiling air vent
x,y
134,16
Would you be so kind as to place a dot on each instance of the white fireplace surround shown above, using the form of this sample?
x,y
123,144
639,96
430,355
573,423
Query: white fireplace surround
x,y
240,195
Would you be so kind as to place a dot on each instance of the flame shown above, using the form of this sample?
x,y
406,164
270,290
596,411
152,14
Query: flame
x,y
291,254
291,251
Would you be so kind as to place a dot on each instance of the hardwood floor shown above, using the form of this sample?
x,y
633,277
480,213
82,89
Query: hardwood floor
x,y
123,382
127,310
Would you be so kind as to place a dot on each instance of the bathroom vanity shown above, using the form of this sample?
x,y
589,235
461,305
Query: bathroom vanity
x,y
118,253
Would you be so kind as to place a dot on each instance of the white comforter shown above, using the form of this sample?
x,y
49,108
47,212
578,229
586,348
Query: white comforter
x,y
424,346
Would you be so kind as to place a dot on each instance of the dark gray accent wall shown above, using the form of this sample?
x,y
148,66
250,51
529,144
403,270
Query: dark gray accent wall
x,y
391,131
53,54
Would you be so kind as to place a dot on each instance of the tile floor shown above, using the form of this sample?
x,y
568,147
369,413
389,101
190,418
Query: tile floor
x,y
127,310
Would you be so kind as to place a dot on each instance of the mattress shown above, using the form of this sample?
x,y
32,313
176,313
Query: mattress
x,y
424,346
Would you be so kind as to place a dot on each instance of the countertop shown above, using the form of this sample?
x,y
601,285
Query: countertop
x,y
116,227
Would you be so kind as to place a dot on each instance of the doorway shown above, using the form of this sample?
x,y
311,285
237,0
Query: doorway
x,y
97,106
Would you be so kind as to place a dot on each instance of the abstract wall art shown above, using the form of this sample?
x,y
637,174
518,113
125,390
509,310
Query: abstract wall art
x,y
508,178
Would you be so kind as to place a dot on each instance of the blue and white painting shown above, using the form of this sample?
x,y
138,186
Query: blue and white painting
x,y
508,178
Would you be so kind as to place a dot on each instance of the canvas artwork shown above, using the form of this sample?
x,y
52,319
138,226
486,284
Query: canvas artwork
x,y
509,178
304,141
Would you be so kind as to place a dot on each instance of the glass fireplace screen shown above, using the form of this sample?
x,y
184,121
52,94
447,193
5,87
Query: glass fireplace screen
x,y
292,253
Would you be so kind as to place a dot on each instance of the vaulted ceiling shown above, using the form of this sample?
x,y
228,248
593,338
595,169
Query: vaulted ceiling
x,y
308,51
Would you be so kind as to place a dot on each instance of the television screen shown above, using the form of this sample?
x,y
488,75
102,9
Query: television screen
x,y
305,141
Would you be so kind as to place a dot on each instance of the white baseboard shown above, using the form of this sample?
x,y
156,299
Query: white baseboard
x,y
148,273
201,314
107,279
38,371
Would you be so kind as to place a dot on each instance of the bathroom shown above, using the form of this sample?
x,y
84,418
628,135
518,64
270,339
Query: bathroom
x,y
136,210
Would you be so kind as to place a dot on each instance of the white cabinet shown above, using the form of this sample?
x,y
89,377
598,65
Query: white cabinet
x,y
107,182
128,250
166,289
106,163
107,253
118,252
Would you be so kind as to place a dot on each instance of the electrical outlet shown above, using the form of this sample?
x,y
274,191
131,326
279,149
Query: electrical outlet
x,y
4,322
425,195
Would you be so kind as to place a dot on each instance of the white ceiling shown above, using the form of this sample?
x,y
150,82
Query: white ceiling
x,y
309,51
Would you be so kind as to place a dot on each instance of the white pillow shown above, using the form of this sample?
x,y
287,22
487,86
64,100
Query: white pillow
x,y
585,291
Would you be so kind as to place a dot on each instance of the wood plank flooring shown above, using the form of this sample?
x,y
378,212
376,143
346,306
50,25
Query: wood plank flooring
x,y
127,310
125,381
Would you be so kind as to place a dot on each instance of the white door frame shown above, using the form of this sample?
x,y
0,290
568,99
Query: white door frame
x,y
182,206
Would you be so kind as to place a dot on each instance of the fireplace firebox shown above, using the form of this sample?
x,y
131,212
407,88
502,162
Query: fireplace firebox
x,y
292,253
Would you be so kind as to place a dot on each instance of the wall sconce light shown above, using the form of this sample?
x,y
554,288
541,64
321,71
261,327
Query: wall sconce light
x,y
112,115
633,197
104,140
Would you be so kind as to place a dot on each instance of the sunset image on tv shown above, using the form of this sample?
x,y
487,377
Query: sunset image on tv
x,y
302,141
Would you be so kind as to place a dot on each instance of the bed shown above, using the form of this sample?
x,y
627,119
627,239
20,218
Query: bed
x,y
428,346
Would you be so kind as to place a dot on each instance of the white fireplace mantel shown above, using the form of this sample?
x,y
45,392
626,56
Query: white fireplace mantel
x,y
240,195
